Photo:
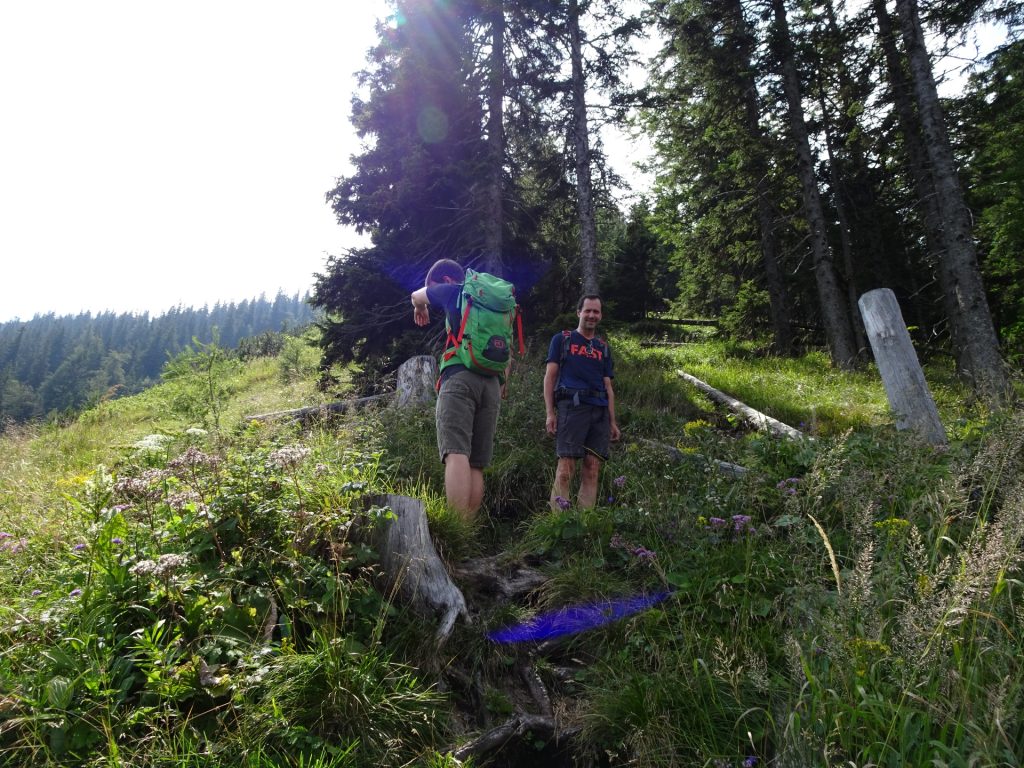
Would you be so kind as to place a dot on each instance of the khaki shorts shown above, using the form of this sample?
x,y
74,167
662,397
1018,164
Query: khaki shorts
x,y
467,416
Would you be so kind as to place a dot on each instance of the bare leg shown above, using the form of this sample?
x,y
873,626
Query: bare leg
x,y
463,485
563,478
588,481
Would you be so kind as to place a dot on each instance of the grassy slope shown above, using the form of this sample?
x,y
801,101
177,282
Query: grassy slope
x,y
757,654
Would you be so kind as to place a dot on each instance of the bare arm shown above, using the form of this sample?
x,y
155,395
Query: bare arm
x,y
550,380
616,433
420,307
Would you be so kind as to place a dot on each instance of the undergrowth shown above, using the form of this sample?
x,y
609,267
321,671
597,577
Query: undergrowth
x,y
180,586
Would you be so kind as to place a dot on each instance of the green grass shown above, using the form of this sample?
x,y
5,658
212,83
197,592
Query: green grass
x,y
854,600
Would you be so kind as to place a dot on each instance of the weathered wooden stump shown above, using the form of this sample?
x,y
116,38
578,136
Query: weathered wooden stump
x,y
909,397
416,381
411,563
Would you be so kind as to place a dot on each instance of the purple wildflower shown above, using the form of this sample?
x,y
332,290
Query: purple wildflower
x,y
750,762
562,502
6,535
642,553
617,542
611,499
717,522
36,592
79,547
741,523
619,481
74,593
117,540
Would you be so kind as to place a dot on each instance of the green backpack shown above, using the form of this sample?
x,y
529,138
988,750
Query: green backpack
x,y
490,314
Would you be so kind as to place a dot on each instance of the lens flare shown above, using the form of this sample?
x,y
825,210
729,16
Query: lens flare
x,y
576,618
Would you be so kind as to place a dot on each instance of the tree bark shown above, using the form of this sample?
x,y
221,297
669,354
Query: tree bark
x,y
417,377
978,343
412,565
905,385
834,312
581,147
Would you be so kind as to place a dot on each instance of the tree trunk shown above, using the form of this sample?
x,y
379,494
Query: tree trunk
x,y
905,385
494,217
581,147
834,313
986,371
917,159
752,416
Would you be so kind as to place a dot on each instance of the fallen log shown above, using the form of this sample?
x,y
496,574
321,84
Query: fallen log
x,y
760,420
311,411
725,467
411,563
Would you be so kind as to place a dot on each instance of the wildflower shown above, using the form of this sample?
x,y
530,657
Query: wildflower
x,y
289,457
152,443
79,547
562,502
36,592
178,501
192,458
611,499
717,522
642,553
619,481
195,432
741,523
750,762
6,535
616,542
322,469
117,540
163,568
136,488
74,593
788,486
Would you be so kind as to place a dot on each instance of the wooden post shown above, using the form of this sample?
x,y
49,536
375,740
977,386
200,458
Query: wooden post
x,y
416,380
909,397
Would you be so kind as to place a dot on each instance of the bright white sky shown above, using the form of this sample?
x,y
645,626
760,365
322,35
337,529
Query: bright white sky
x,y
155,154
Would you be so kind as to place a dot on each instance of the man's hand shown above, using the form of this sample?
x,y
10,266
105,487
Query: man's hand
x,y
551,424
421,314
616,433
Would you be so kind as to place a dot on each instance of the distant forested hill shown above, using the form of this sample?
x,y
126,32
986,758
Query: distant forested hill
x,y
51,365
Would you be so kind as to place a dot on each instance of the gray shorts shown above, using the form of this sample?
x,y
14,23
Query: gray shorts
x,y
467,416
582,429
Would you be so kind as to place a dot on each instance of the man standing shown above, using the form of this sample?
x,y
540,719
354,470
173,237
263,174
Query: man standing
x,y
580,403
467,402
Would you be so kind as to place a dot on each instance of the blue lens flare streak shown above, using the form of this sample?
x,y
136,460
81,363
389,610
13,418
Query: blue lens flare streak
x,y
576,618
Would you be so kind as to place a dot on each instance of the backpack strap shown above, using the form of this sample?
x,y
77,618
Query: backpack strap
x,y
453,341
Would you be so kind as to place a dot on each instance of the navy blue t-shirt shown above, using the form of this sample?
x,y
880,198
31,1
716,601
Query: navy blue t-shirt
x,y
444,297
587,363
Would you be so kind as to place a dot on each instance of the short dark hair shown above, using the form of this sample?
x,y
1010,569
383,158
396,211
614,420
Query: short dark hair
x,y
584,297
445,268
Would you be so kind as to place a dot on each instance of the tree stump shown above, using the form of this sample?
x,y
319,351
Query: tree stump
x,y
412,566
416,381
909,397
